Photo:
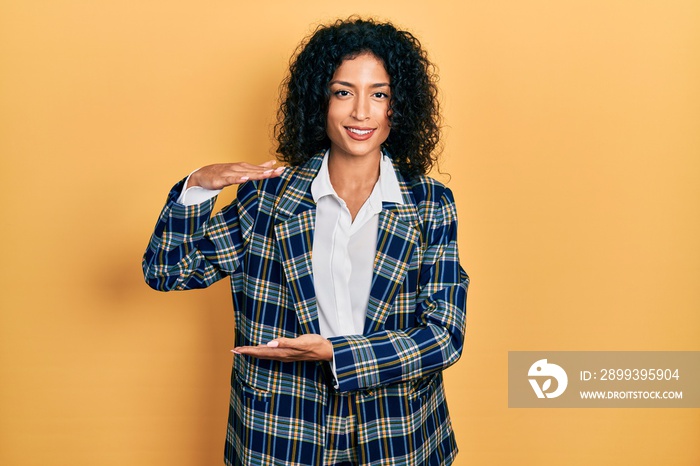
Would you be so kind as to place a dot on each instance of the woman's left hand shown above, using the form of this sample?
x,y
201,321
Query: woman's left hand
x,y
308,347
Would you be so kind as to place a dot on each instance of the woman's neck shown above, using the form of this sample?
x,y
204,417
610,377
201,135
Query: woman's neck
x,y
353,178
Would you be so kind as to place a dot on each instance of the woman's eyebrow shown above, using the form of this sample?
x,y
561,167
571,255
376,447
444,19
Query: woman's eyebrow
x,y
345,83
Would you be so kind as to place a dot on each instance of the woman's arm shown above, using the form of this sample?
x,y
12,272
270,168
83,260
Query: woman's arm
x,y
188,249
389,356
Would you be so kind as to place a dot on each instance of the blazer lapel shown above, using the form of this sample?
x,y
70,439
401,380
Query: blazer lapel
x,y
295,219
397,238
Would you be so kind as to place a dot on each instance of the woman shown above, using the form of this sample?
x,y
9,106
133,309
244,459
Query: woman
x,y
348,294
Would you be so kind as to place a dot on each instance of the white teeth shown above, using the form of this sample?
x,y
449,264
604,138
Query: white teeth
x,y
361,132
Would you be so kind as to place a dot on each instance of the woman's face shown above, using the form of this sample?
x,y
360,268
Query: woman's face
x,y
358,111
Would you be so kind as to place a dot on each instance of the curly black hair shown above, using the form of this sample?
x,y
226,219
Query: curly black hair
x,y
413,141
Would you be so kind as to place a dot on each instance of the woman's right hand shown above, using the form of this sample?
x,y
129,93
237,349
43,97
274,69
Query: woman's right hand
x,y
220,175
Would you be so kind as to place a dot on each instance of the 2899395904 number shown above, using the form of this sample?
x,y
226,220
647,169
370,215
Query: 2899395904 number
x,y
639,374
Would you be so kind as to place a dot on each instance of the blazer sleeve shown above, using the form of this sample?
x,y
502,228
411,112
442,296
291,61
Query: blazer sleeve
x,y
390,356
188,249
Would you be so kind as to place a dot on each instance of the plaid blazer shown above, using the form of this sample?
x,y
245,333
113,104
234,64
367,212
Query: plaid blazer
x,y
416,319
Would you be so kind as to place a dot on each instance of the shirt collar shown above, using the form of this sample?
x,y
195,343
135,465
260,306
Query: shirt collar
x,y
387,188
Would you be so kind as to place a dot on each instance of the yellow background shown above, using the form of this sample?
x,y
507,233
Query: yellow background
x,y
573,145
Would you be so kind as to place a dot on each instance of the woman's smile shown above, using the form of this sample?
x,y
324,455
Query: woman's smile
x,y
360,134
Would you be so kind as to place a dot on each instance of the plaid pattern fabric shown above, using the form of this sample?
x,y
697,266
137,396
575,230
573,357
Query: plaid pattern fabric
x,y
341,431
416,319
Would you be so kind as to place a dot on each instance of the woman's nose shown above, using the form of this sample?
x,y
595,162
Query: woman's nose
x,y
361,108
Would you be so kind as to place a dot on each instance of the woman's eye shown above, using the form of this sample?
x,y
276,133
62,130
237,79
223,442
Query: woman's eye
x,y
342,93
381,95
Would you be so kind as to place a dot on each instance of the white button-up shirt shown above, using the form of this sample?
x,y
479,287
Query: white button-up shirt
x,y
343,250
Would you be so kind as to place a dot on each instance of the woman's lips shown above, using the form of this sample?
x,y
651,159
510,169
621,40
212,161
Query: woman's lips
x,y
359,134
